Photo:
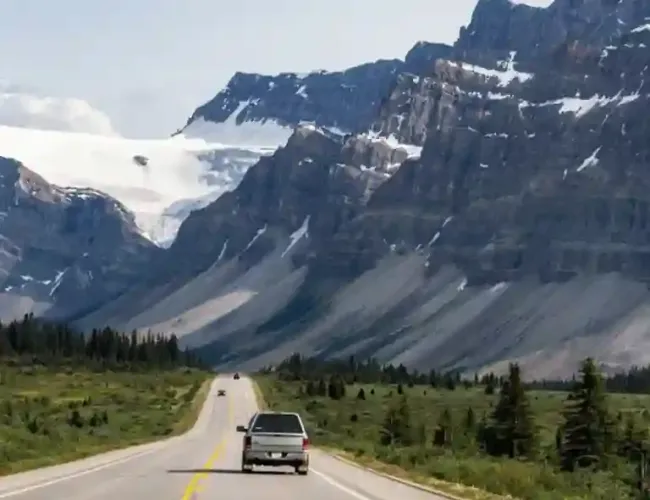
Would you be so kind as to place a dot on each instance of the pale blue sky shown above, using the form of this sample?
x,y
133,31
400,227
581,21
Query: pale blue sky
x,y
149,63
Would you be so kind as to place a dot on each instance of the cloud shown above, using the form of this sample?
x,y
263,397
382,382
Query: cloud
x,y
21,108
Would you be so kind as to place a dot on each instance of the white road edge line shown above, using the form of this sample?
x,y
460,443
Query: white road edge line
x,y
339,486
75,474
156,446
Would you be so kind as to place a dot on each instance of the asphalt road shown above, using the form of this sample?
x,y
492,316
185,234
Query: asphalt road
x,y
203,464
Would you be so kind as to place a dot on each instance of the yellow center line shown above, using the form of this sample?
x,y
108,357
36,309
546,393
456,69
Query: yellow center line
x,y
194,484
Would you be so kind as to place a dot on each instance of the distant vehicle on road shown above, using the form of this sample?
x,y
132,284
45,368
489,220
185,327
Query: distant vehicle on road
x,y
275,439
221,392
236,377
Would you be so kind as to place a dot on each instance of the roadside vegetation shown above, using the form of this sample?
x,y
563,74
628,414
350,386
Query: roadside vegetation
x,y
585,439
64,396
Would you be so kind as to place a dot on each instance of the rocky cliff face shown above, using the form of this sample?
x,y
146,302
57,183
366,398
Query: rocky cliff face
x,y
501,25
287,207
519,231
345,100
63,249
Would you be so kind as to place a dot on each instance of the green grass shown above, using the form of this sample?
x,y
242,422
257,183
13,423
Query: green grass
x,y
353,427
50,416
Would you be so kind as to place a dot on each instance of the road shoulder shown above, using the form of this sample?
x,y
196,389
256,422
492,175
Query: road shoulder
x,y
444,489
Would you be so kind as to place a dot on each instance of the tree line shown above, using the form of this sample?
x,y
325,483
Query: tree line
x,y
33,340
633,381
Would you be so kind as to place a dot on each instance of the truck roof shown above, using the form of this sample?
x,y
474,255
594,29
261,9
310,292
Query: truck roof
x,y
270,412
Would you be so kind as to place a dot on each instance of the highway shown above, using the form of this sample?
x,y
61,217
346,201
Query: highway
x,y
203,464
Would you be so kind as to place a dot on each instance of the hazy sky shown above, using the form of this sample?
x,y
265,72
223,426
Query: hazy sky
x,y
149,63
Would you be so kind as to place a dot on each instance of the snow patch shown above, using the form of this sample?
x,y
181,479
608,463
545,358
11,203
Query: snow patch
x,y
57,281
580,106
505,76
223,251
302,91
303,230
391,141
178,170
639,29
266,133
259,233
590,161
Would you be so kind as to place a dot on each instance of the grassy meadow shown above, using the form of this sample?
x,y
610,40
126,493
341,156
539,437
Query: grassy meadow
x,y
353,426
53,415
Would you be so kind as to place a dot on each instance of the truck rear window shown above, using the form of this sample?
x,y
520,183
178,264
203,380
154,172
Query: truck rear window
x,y
274,422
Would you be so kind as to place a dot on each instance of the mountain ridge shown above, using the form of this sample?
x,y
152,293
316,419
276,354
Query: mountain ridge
x,y
492,184
63,248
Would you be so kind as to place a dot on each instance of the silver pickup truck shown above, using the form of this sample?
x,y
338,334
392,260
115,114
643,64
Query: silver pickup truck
x,y
275,439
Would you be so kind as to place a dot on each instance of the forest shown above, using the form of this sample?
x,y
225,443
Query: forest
x,y
36,341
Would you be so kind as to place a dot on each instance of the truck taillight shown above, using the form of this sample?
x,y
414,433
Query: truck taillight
x,y
247,442
305,443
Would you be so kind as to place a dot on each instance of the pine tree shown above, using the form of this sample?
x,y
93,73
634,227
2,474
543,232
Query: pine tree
x,y
588,430
470,421
397,428
512,422
634,439
443,434
450,382
336,387
433,379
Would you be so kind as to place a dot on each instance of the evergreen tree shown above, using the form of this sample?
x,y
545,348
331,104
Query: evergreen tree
x,y
634,439
588,430
336,387
397,427
443,435
450,382
470,421
33,338
512,422
433,379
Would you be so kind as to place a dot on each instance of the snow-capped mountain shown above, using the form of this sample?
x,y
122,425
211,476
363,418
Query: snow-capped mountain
x,y
63,250
519,231
154,179
269,107
467,206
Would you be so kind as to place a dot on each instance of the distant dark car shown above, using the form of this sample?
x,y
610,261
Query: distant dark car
x,y
236,377
221,392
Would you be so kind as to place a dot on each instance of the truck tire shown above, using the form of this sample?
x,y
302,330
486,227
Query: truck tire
x,y
302,470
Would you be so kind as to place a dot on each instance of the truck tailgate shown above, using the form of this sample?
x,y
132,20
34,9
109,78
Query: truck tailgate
x,y
275,442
